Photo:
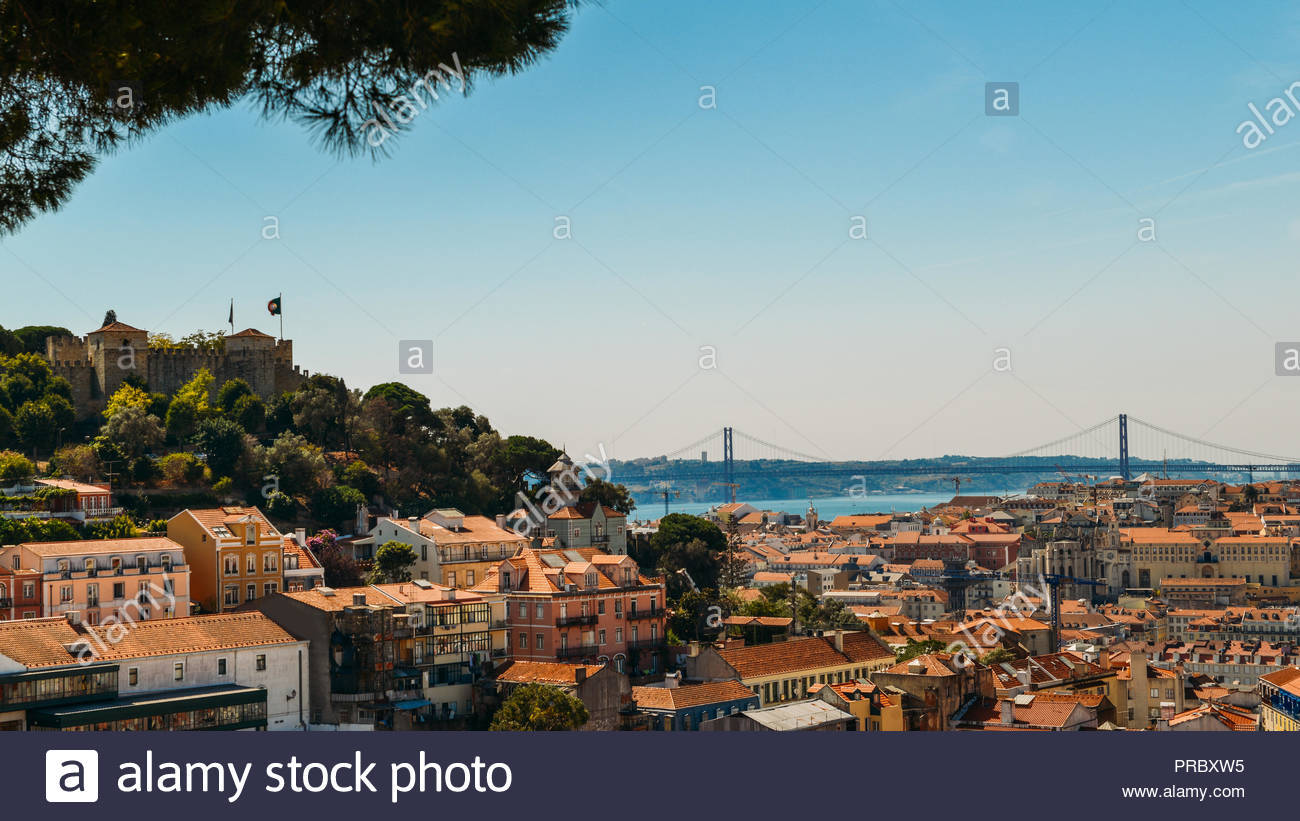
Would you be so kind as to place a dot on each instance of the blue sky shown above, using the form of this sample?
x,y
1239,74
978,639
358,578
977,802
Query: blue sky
x,y
728,227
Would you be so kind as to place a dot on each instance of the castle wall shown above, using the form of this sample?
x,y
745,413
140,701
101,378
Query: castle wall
x,y
97,371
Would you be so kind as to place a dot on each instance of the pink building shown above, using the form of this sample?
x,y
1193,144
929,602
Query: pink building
x,y
581,604
95,581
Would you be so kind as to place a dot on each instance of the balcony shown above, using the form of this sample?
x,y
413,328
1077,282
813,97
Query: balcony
x,y
646,644
652,613
581,651
574,621
6,603
601,538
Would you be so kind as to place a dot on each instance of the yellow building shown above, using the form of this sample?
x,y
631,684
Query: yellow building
x,y
1279,700
234,555
1159,553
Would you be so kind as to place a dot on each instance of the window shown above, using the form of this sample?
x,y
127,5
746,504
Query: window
x,y
261,661
269,588
540,610
232,565
142,563
523,641
250,534
92,595
451,578
469,578
251,563
178,671
133,676
618,635
119,590
29,590
591,579
600,607
65,593
269,563
601,641
523,610
252,592
541,641
167,562
221,667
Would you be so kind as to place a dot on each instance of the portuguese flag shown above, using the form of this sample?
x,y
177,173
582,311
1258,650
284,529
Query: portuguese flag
x,y
274,306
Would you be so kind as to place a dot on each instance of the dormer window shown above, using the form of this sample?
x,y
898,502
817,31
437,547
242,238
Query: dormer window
x,y
591,579
250,534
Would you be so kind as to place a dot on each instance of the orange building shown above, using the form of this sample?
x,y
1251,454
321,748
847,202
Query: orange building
x,y
234,555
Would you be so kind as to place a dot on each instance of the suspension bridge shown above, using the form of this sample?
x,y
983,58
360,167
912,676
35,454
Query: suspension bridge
x,y
1120,446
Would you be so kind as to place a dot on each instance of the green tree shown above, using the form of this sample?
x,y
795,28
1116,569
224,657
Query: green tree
x,y
250,413
998,655
36,426
393,563
335,505
124,397
915,648
540,707
72,92
231,392
79,462
221,441
133,431
15,466
609,494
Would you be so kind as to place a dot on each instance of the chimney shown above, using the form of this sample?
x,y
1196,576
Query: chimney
x,y
1167,710
838,638
1103,658
693,649
1024,676
300,536
673,680
359,599
1008,711
74,617
580,674
501,521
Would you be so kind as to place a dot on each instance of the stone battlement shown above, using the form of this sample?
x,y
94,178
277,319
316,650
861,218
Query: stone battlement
x,y
97,364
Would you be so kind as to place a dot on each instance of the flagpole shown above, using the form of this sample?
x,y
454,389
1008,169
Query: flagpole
x,y
281,298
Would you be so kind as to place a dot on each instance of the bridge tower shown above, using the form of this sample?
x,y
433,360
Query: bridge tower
x,y
1123,447
729,458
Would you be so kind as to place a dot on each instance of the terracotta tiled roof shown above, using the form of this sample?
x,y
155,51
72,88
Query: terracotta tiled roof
x,y
41,642
119,326
212,518
761,660
691,695
545,672
335,599
102,546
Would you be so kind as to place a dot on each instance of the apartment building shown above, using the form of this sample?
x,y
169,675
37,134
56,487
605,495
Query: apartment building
x,y
452,549
786,671
234,554
395,655
576,605
1279,700
20,593
220,672
58,499
98,581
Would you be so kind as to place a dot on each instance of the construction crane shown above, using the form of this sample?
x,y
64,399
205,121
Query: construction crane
x,y
664,492
956,483
1054,582
731,489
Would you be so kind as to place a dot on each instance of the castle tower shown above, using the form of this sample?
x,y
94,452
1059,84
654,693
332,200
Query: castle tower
x,y
117,351
811,518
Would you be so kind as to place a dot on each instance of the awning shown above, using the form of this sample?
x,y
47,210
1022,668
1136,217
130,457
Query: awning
x,y
414,704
